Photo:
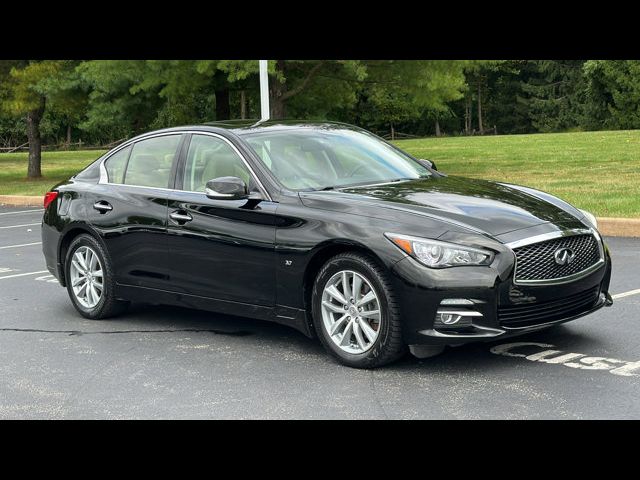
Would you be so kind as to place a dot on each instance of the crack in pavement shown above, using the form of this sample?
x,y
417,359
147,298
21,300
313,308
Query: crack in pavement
x,y
240,333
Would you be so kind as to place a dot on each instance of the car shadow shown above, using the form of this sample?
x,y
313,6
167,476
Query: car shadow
x,y
453,359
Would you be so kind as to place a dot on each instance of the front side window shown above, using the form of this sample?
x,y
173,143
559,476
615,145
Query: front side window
x,y
305,158
116,164
211,157
151,160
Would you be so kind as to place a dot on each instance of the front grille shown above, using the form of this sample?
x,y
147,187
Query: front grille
x,y
537,262
536,313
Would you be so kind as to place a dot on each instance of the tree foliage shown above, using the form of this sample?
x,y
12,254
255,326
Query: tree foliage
x,y
101,101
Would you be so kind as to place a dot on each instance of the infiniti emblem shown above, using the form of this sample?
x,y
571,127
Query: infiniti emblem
x,y
564,256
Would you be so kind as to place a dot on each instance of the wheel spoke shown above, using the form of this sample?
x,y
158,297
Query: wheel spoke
x,y
369,332
93,295
98,273
357,286
333,291
82,291
367,298
93,261
346,335
339,323
81,260
370,314
345,284
78,281
334,308
77,266
88,258
358,334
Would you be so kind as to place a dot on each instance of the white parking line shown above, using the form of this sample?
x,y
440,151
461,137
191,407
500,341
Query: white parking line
x,y
23,274
25,225
23,245
626,294
22,211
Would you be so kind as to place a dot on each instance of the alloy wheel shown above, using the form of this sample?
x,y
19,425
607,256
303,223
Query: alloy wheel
x,y
351,312
86,277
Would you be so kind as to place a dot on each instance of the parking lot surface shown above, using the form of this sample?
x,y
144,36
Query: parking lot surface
x,y
165,362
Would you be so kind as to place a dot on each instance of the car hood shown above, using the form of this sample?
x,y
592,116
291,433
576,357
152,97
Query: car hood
x,y
491,207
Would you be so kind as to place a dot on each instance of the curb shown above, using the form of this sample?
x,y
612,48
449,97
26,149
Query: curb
x,y
619,227
608,226
21,200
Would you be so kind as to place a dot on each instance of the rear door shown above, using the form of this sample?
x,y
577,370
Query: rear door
x,y
225,250
129,208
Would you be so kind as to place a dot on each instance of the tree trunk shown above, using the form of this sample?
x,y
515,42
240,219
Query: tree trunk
x,y
393,133
35,141
276,91
68,135
467,116
480,127
243,105
223,110
438,128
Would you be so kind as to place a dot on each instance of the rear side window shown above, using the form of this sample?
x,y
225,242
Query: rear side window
x,y
151,160
116,164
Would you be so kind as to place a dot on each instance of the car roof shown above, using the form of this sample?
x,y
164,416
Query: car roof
x,y
243,127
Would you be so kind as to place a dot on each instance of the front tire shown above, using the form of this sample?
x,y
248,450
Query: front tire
x,y
90,280
355,312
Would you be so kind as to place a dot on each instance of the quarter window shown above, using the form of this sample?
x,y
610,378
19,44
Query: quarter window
x,y
211,157
151,160
116,164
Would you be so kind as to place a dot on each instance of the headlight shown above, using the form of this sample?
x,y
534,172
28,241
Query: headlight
x,y
590,218
437,254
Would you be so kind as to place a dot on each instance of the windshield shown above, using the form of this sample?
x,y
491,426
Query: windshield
x,y
316,159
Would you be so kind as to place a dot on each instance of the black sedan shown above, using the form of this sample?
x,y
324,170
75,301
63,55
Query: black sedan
x,y
323,227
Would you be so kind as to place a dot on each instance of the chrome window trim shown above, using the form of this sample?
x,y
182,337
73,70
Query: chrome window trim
x,y
550,236
104,178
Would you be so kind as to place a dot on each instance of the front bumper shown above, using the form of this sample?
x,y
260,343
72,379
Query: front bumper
x,y
421,289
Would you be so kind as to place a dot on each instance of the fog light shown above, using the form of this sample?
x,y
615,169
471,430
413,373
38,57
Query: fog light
x,y
454,318
449,318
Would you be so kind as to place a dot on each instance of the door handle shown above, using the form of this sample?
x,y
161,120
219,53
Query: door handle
x,y
180,217
102,206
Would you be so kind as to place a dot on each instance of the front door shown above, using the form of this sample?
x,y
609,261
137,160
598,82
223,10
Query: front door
x,y
220,249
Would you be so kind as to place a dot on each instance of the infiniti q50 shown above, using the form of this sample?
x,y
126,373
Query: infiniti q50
x,y
323,227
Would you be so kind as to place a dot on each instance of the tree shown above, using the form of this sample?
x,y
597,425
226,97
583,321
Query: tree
x,y
26,94
613,91
556,94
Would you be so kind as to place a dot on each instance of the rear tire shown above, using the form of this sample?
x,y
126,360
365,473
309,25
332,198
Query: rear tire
x,y
347,292
90,280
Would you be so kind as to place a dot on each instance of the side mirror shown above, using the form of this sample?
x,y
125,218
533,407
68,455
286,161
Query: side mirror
x,y
428,163
226,188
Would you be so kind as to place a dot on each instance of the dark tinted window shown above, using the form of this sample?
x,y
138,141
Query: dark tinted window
x,y
116,164
150,161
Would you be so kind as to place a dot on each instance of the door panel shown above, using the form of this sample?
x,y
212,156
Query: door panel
x,y
134,230
225,252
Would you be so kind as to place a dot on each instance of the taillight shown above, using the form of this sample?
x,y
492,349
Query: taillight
x,y
49,197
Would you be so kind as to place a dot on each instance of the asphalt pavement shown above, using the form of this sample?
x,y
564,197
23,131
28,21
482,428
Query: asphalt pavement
x,y
166,362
